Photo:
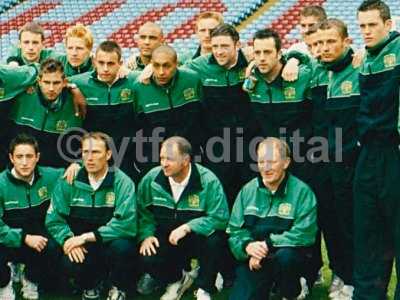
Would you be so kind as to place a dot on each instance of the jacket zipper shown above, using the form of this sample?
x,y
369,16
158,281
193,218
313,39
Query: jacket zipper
x,y
28,196
93,198
109,95
45,119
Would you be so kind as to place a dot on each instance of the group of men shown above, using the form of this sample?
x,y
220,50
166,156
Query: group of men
x,y
242,158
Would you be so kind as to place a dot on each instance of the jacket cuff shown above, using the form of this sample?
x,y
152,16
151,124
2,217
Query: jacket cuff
x,y
23,236
269,244
99,238
245,245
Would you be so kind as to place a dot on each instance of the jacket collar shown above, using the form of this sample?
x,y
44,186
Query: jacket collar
x,y
17,181
194,184
47,104
341,63
379,47
84,67
118,82
197,53
108,181
282,189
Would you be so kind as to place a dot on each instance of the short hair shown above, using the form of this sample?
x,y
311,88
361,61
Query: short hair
x,y
283,147
210,15
82,32
268,33
225,30
32,27
184,146
109,47
97,135
51,65
316,11
337,24
165,49
152,24
23,139
382,7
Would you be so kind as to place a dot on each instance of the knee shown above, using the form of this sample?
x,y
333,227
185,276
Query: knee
x,y
287,258
123,248
215,241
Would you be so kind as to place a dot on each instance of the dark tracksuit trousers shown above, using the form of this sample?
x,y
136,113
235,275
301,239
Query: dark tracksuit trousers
x,y
39,266
167,264
376,220
284,268
116,258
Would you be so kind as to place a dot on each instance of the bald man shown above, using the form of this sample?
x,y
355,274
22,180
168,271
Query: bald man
x,y
170,105
149,37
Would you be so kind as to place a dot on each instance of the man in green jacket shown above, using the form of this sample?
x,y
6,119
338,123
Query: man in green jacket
x,y
25,191
46,111
94,221
272,227
170,103
30,47
182,214
110,103
377,175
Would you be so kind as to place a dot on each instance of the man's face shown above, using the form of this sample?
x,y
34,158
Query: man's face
x,y
224,50
24,159
52,84
31,45
332,44
164,67
306,23
373,28
265,55
172,161
203,29
107,65
149,38
271,166
312,41
95,156
77,52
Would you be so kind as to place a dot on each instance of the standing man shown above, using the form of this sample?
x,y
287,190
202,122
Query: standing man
x,y
272,227
377,175
94,221
110,103
30,47
182,214
172,102
46,111
25,191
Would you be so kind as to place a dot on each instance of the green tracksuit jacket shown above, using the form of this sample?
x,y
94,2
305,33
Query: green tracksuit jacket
x,y
69,70
378,118
287,218
202,205
22,206
109,212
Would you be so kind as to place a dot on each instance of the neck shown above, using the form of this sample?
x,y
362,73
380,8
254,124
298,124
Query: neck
x,y
271,75
205,50
97,175
145,59
182,175
26,179
234,62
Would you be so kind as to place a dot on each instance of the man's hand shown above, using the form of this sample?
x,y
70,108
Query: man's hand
x,y
13,64
123,72
258,250
178,233
358,58
80,105
146,74
131,62
249,68
71,172
77,254
290,71
36,242
254,264
148,246
73,242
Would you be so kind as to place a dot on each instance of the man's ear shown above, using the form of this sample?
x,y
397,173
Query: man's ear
x,y
238,44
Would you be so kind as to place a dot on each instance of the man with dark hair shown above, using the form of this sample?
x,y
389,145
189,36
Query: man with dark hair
x,y
172,102
272,227
94,221
182,214
377,175
30,48
24,198
46,110
335,96
110,102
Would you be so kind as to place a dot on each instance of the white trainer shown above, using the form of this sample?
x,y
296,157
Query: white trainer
x,y
7,292
175,291
29,289
202,295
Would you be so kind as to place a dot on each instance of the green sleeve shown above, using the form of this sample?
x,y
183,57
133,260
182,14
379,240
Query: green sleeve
x,y
239,237
58,211
9,237
217,212
123,223
304,228
147,222
304,59
15,80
